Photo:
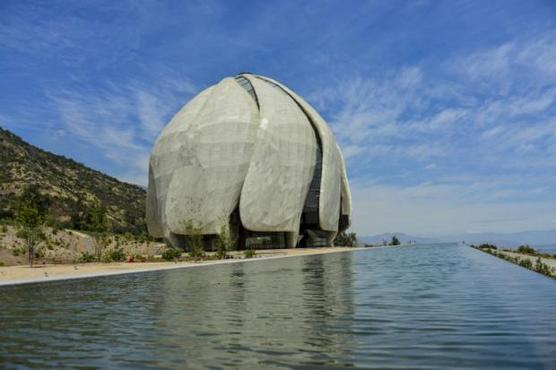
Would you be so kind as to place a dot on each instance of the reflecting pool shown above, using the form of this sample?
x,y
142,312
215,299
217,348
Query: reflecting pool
x,y
427,306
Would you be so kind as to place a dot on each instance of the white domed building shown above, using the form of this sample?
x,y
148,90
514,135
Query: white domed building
x,y
249,152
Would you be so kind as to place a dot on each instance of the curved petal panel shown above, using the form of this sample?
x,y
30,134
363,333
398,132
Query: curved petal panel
x,y
346,193
330,191
164,158
201,159
282,166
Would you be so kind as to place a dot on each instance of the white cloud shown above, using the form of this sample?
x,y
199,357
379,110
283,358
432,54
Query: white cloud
x,y
487,123
121,121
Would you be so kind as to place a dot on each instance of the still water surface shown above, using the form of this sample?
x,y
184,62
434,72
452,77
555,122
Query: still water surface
x,y
437,306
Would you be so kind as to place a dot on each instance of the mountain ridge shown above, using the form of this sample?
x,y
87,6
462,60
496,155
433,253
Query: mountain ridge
x,y
532,237
514,239
71,187
403,238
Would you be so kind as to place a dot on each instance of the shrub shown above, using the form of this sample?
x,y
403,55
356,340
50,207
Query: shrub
x,y
526,262
87,257
542,267
487,246
115,255
151,258
4,229
39,253
171,254
526,249
140,258
249,253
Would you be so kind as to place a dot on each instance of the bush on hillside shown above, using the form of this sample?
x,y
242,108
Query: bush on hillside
x,y
526,249
115,255
487,246
87,257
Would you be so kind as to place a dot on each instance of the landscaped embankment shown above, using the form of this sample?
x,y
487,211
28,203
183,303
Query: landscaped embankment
x,y
524,256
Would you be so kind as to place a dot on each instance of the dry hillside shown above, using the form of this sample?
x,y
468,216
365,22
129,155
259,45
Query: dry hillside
x,y
70,187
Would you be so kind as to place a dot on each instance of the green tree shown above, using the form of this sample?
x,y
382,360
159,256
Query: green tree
x,y
193,234
93,218
395,240
31,209
101,242
526,249
96,218
225,240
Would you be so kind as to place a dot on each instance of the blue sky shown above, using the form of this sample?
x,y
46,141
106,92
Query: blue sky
x,y
445,110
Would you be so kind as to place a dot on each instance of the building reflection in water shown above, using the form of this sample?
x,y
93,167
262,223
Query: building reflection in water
x,y
286,311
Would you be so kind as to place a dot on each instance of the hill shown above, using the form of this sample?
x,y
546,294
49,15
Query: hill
x,y
404,238
72,189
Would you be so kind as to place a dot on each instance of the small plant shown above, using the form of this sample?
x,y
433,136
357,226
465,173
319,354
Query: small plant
x,y
4,229
139,258
249,253
151,258
171,254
